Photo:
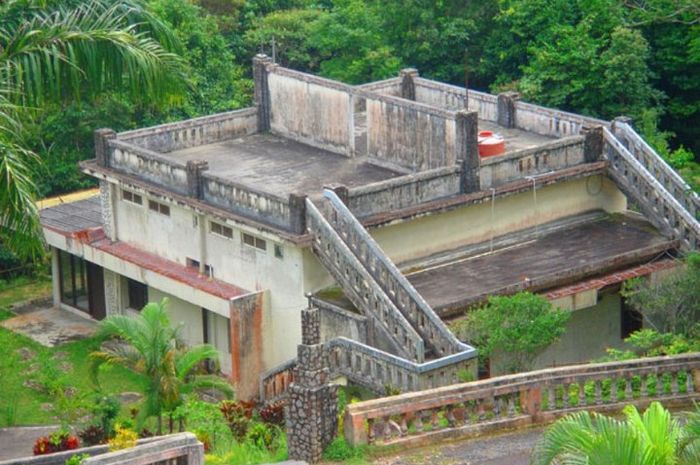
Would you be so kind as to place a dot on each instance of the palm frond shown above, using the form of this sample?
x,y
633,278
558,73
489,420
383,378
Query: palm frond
x,y
214,382
193,356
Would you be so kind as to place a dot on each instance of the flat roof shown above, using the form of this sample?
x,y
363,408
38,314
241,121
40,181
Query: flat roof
x,y
282,166
553,260
73,216
516,139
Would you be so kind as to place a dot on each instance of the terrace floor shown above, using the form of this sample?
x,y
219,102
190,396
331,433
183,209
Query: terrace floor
x,y
282,166
515,139
555,259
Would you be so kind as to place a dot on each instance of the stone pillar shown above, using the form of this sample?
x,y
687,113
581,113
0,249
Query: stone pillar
x,y
102,138
615,130
312,411
593,143
262,90
340,190
408,85
55,278
194,169
297,213
506,108
466,144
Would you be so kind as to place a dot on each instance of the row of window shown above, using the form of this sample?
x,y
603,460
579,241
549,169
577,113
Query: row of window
x,y
214,227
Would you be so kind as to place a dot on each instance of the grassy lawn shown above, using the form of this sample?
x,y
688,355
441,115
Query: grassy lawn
x,y
28,370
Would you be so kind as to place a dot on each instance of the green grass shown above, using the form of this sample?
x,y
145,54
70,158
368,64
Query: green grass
x,y
22,405
22,289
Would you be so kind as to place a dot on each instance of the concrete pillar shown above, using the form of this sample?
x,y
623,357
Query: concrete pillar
x,y
593,143
194,169
506,108
297,213
408,85
614,127
55,278
466,145
312,411
262,90
113,295
102,138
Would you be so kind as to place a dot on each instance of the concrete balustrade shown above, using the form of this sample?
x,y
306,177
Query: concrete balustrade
x,y
519,400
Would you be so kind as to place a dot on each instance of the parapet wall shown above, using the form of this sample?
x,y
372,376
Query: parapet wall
x,y
453,98
310,109
193,132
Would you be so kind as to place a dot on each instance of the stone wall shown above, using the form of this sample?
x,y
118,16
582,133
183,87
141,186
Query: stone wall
x,y
194,132
312,110
405,191
556,155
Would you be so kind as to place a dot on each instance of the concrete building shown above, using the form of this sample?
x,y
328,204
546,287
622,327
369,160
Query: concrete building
x,y
374,201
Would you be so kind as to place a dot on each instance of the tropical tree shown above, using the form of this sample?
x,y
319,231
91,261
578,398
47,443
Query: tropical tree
x,y
653,438
151,347
59,50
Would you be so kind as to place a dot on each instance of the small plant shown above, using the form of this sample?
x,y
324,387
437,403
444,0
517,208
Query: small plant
x,y
93,435
56,442
273,414
123,439
390,390
238,416
465,376
339,450
77,459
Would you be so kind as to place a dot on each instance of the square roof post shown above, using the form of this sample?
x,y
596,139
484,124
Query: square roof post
x,y
261,65
467,148
102,138
592,143
194,169
506,108
408,85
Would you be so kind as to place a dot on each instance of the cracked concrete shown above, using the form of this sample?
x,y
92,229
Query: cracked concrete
x,y
51,326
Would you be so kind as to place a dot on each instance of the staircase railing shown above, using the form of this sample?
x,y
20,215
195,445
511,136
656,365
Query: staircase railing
x,y
361,288
373,369
401,292
657,166
663,209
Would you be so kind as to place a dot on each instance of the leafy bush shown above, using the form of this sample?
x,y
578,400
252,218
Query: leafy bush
x,y
56,442
339,449
238,415
93,435
123,439
205,420
77,459
273,414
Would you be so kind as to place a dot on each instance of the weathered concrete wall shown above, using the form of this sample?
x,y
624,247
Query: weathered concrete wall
x,y
193,132
453,98
338,322
148,165
312,110
390,86
550,122
247,343
409,136
520,164
404,191
472,224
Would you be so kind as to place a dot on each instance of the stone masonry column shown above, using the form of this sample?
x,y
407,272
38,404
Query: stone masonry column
x,y
506,108
408,85
262,90
312,412
466,146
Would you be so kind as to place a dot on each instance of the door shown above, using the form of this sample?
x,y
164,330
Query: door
x,y
96,291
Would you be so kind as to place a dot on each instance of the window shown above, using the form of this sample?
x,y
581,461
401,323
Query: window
x,y
192,263
132,197
137,293
159,207
279,253
221,230
73,280
253,241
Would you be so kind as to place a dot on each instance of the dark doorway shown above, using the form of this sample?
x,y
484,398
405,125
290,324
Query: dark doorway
x,y
96,291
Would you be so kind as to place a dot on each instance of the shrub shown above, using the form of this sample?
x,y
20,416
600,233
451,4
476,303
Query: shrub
x,y
93,435
123,439
262,435
339,450
57,442
273,414
238,416
77,459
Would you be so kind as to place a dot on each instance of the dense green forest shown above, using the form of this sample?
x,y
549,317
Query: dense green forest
x,y
604,58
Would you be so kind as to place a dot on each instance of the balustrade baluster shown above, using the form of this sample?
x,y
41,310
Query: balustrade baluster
x,y
403,426
481,409
643,388
551,398
689,382
659,385
511,403
418,422
434,419
598,392
628,388
565,396
450,415
582,394
386,428
674,383
370,431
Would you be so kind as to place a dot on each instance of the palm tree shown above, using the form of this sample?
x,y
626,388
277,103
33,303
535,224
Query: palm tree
x,y
654,438
151,347
53,50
